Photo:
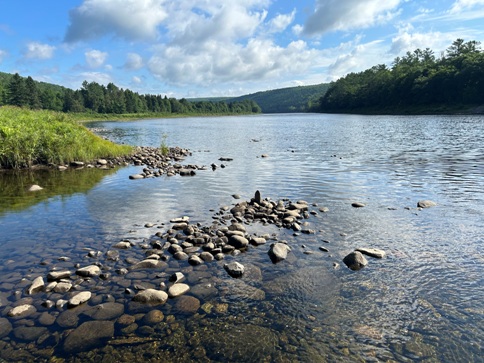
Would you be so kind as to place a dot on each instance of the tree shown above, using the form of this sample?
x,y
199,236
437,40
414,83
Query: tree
x,y
16,94
32,94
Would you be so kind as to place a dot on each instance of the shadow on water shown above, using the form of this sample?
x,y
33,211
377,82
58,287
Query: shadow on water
x,y
14,185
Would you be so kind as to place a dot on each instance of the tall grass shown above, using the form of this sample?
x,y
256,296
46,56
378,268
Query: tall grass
x,y
29,137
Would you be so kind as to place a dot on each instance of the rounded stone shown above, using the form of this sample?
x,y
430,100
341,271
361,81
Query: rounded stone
x,y
178,290
153,317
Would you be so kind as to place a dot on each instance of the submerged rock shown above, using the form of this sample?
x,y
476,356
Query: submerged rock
x,y
151,296
79,298
278,252
426,204
234,269
178,290
373,252
88,335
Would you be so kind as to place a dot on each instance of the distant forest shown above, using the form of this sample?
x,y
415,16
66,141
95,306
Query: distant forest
x,y
93,97
418,82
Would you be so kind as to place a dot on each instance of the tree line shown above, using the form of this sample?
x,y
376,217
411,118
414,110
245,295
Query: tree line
x,y
416,81
93,97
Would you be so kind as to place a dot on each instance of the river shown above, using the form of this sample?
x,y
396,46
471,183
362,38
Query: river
x,y
423,302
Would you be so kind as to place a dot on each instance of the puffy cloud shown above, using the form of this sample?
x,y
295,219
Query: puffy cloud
x,y
35,50
333,15
128,19
136,80
95,58
281,21
461,5
98,77
133,61
231,62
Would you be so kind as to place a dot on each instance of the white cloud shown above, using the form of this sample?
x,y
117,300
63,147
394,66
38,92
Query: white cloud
x,y
136,80
3,54
128,19
407,41
133,61
35,50
281,21
461,5
334,15
98,77
95,58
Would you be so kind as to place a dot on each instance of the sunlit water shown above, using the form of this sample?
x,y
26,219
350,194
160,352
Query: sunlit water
x,y
424,301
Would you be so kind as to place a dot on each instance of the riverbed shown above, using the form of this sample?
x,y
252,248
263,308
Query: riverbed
x,y
424,301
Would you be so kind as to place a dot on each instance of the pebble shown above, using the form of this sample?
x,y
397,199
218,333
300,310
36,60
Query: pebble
x,y
80,298
178,290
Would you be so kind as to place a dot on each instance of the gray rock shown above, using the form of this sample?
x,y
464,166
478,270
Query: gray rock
x,y
22,311
122,245
151,296
234,269
257,197
57,275
178,290
180,255
426,204
5,327
195,260
373,252
187,304
62,287
257,241
278,251
149,263
89,271
88,335
46,319
68,318
357,205
153,317
35,188
206,256
106,311
355,261
177,277
29,333
37,285
80,298
136,176
238,241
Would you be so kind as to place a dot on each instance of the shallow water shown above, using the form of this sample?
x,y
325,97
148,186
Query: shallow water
x,y
424,301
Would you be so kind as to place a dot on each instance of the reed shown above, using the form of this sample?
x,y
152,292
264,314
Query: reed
x,y
29,138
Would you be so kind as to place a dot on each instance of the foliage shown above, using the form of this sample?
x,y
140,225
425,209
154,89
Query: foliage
x,y
417,81
111,100
30,137
164,149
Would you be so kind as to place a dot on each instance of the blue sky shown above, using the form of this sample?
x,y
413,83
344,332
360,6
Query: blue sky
x,y
194,48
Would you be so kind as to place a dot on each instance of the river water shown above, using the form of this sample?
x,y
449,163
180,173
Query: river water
x,y
423,302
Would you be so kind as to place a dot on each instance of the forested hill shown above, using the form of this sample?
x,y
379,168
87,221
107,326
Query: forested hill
x,y
96,98
419,82
282,100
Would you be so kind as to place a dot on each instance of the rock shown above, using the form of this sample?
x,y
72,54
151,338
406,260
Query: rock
x,y
22,311
357,205
35,188
373,252
236,196
102,162
187,304
204,291
37,285
206,256
88,335
149,263
79,298
257,197
29,333
178,290
355,261
105,311
257,241
122,245
62,287
234,269
46,319
177,277
5,327
136,176
68,318
238,241
187,172
195,260
89,271
278,252
57,275
151,296
264,156
153,317
426,204
237,227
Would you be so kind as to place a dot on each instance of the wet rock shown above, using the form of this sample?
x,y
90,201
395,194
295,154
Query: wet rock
x,y
22,311
357,205
180,255
122,245
105,311
195,260
373,252
5,327
58,275
355,261
46,319
187,304
37,286
153,317
238,241
151,296
177,277
136,176
125,320
257,241
178,290
238,289
234,269
149,263
426,204
278,252
88,335
257,197
29,333
79,298
62,287
89,271
206,256
204,291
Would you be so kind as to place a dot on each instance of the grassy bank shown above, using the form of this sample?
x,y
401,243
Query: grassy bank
x,y
29,138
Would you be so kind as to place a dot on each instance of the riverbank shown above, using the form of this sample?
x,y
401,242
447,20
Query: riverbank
x,y
31,138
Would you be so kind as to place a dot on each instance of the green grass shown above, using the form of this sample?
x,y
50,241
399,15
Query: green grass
x,y
29,137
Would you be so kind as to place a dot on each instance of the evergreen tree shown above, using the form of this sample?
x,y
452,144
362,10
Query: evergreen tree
x,y
16,95
32,94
